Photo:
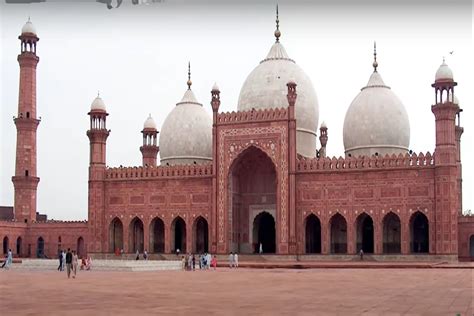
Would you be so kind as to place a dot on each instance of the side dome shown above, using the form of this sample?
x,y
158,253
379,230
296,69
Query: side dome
x,y
28,28
186,134
376,122
265,87
98,105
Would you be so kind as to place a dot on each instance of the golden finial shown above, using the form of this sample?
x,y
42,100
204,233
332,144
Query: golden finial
x,y
277,31
189,83
375,64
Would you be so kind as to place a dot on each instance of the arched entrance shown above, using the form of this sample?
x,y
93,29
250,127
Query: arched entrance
x,y
201,235
338,226
251,188
5,244
471,247
391,233
19,246
136,238
157,236
178,235
115,235
264,233
365,233
313,234
80,247
419,229
40,248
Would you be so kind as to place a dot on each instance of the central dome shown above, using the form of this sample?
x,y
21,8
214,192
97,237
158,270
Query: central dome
x,y
266,88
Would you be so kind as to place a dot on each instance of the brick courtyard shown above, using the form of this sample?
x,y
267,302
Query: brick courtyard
x,y
240,292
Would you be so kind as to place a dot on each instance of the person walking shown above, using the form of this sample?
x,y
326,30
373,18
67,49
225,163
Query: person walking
x,y
63,260
75,260
260,249
68,262
236,260
231,260
145,255
190,262
183,263
137,257
361,254
8,260
60,257
194,262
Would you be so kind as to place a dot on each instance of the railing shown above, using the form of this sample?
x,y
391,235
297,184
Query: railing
x,y
364,162
120,173
253,115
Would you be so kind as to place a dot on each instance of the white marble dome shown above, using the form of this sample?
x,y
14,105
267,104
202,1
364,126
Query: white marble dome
x,y
149,123
98,104
376,122
265,87
186,134
444,72
28,28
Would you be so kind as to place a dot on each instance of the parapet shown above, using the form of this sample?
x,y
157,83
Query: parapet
x,y
150,172
253,115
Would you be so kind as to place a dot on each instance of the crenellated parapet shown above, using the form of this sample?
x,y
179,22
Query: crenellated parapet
x,y
253,115
121,173
364,162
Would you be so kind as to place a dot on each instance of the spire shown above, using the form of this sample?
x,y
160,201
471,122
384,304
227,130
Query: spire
x,y
375,64
189,83
277,31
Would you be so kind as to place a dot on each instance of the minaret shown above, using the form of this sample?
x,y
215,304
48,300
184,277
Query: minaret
x,y
98,135
25,180
447,205
150,148
323,139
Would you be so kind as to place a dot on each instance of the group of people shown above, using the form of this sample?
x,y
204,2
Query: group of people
x,y
69,260
8,260
205,261
233,260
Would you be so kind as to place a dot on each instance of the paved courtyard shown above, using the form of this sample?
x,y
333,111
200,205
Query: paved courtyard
x,y
240,292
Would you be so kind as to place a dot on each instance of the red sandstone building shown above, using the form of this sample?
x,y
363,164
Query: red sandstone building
x,y
236,180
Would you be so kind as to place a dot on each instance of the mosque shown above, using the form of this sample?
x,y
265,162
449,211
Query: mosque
x,y
257,177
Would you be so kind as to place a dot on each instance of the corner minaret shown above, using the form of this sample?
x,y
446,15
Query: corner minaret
x,y
150,148
25,180
447,166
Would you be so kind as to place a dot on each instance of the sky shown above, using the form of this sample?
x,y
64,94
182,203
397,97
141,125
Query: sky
x,y
137,56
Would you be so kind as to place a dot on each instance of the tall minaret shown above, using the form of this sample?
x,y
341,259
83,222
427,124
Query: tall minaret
x,y
150,147
98,134
447,192
25,180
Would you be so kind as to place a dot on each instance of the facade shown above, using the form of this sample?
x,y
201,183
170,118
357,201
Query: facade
x,y
255,179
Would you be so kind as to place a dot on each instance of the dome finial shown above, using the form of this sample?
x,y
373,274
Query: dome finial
x,y
277,31
375,64
189,83
98,93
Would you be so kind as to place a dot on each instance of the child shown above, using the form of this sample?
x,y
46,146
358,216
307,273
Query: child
x,y
214,262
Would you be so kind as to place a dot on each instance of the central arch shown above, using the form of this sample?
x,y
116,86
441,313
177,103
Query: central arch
x,y
365,233
419,233
178,235
157,236
264,233
201,235
313,234
115,235
252,186
136,235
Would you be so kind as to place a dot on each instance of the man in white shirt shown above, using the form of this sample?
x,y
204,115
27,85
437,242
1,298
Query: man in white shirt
x,y
236,260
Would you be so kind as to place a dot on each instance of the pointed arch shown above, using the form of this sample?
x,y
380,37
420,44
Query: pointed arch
x,y
80,248
178,235
365,233
338,226
201,235
264,232
136,235
471,247
419,233
391,233
115,235
6,244
157,235
312,234
40,247
19,246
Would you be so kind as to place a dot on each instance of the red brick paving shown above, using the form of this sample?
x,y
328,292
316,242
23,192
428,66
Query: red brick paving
x,y
240,292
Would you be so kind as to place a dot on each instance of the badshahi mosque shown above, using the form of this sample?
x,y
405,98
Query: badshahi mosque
x,y
259,175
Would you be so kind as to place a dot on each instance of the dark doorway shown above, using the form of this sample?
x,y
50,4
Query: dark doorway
x,y
471,247
5,244
40,248
338,226
178,233
19,246
80,247
157,236
419,229
201,237
116,235
391,233
313,234
264,232
136,235
365,233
